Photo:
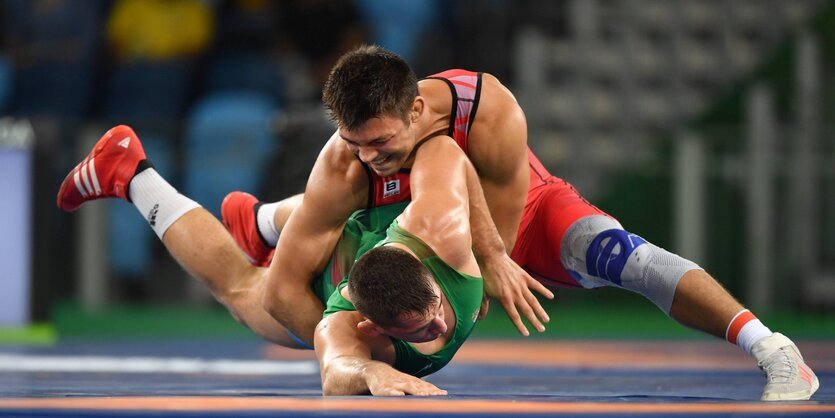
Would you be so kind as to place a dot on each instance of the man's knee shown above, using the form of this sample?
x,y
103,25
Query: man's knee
x,y
614,256
611,252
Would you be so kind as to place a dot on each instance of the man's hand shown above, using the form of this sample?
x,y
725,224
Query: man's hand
x,y
383,380
345,361
511,285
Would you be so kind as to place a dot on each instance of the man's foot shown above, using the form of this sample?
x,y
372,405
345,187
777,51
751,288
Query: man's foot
x,y
239,212
788,376
106,172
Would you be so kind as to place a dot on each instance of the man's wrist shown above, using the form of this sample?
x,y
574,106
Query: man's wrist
x,y
368,370
490,253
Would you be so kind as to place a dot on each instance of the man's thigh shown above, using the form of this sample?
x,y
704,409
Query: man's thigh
x,y
550,211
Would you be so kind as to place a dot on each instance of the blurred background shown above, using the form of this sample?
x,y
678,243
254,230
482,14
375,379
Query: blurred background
x,y
703,125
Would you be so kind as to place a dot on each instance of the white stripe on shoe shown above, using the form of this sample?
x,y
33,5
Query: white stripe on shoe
x,y
94,177
86,179
78,184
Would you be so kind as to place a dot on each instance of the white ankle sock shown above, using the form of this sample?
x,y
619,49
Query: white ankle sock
x,y
751,333
158,201
265,217
745,330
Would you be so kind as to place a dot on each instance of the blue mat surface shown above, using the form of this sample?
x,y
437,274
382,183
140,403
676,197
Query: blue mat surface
x,y
225,379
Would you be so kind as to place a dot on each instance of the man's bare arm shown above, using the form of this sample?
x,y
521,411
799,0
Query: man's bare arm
x,y
309,237
346,363
498,148
440,209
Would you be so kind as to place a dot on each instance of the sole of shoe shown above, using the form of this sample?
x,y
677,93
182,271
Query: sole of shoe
x,y
792,396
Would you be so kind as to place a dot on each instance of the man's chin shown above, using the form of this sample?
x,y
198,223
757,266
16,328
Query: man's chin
x,y
385,171
389,168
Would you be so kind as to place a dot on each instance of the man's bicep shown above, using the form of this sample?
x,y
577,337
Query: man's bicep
x,y
305,245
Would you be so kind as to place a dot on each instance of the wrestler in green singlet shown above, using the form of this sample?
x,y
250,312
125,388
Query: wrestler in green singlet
x,y
369,228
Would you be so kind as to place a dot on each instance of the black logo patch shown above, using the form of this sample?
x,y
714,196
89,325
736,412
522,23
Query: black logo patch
x,y
152,215
391,188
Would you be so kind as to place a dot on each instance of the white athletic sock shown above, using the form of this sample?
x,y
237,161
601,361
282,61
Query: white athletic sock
x,y
265,217
745,330
158,201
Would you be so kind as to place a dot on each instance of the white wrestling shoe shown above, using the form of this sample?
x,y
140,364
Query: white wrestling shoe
x,y
788,376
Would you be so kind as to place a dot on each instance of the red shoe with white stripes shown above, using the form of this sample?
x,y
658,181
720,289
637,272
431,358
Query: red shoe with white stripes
x,y
106,172
238,211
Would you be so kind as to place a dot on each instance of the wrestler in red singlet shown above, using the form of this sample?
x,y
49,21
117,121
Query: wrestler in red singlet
x,y
552,204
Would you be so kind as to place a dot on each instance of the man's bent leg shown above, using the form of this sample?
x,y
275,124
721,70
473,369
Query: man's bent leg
x,y
202,246
117,167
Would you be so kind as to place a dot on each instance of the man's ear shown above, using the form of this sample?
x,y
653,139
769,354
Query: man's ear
x,y
369,328
346,294
417,108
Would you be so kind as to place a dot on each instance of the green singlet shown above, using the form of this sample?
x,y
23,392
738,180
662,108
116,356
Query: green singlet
x,y
367,229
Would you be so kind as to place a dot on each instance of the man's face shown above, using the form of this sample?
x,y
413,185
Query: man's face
x,y
384,143
421,327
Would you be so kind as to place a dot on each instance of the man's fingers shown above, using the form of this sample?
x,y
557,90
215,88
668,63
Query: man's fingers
x,y
389,392
530,314
510,308
433,391
436,392
540,288
423,388
541,315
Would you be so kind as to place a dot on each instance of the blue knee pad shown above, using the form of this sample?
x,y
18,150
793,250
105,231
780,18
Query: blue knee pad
x,y
608,253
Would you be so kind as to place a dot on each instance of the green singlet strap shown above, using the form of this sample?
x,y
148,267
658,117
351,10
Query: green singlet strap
x,y
401,236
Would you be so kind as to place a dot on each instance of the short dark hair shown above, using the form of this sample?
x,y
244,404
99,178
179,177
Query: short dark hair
x,y
387,282
369,82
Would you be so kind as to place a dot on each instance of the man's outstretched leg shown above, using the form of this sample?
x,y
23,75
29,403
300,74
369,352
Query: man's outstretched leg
x,y
599,252
702,303
117,168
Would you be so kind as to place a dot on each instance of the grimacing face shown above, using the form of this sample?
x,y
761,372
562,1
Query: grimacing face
x,y
421,327
384,143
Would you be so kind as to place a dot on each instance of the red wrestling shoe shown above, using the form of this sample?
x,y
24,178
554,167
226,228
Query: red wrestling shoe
x,y
106,172
239,211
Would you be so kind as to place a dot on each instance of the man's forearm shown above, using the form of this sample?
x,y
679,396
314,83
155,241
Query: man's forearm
x,y
486,239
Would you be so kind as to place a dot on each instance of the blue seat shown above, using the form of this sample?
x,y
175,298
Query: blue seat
x,y
130,239
228,142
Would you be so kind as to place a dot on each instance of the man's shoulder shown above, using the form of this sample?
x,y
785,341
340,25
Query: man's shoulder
x,y
337,162
441,144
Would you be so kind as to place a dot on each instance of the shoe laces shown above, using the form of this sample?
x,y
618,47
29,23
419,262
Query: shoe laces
x,y
779,367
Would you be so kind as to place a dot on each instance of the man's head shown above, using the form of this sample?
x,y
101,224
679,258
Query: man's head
x,y
397,294
369,82
372,95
